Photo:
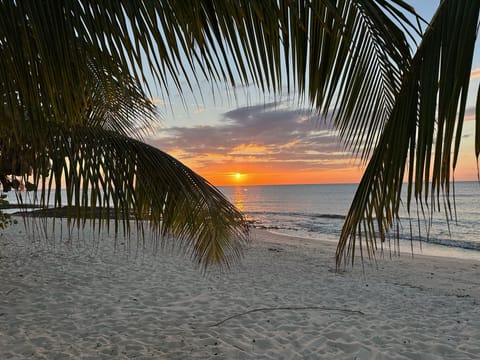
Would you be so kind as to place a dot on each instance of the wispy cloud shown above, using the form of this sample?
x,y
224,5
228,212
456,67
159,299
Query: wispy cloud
x,y
475,74
158,101
199,110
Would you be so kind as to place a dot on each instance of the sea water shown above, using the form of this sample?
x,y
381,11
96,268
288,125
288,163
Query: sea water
x,y
318,212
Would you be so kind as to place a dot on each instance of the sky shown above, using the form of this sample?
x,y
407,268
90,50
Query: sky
x,y
247,137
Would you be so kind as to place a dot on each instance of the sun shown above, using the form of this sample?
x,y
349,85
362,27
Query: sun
x,y
237,177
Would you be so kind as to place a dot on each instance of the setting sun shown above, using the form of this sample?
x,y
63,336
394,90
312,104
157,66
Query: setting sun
x,y
237,177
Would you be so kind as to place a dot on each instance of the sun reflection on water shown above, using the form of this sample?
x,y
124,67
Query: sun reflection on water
x,y
239,198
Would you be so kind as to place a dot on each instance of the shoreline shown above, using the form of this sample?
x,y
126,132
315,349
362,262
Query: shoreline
x,y
282,300
420,247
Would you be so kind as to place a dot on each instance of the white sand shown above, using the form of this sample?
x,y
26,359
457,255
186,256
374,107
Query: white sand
x,y
61,303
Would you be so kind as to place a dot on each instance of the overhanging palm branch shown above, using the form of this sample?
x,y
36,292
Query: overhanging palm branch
x,y
73,131
350,62
105,171
420,141
326,46
109,175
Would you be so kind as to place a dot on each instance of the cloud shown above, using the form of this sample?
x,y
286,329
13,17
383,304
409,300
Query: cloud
x,y
199,110
158,101
268,135
475,74
250,149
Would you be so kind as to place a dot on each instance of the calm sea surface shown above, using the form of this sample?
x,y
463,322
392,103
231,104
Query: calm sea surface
x,y
317,212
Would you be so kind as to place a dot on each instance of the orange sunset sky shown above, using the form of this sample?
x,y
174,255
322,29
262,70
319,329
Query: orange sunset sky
x,y
275,143
268,143
250,138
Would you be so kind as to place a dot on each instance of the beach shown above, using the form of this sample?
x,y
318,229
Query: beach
x,y
62,299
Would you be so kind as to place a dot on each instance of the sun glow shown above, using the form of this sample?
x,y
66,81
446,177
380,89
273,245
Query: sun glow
x,y
237,176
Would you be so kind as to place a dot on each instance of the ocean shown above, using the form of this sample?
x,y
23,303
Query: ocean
x,y
317,212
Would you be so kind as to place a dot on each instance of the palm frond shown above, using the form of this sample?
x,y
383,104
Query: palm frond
x,y
119,105
358,74
222,40
103,171
70,110
421,138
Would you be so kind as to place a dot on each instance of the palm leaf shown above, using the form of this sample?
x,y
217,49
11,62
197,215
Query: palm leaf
x,y
104,170
71,123
421,138
175,39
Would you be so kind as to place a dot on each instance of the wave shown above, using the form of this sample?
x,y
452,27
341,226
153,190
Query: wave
x,y
462,244
306,224
297,214
330,216
459,244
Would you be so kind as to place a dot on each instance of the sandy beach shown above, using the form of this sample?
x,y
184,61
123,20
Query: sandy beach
x,y
283,300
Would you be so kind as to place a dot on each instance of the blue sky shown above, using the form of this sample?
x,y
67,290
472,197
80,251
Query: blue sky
x,y
220,132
